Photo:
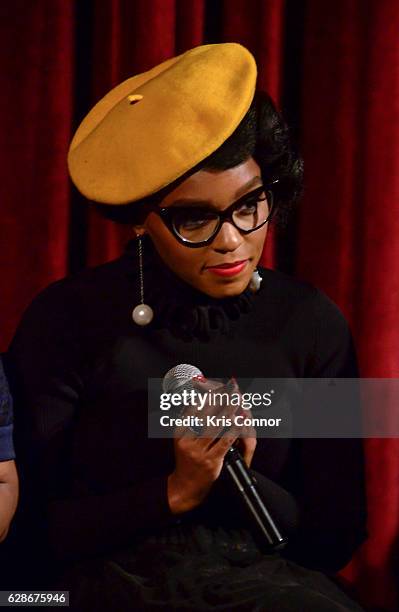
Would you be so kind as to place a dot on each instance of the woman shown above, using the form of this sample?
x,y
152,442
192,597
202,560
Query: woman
x,y
8,472
192,159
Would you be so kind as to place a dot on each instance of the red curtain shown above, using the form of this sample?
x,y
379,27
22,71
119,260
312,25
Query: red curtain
x,y
36,113
349,224
59,57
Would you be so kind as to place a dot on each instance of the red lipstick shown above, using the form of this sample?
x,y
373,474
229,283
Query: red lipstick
x,y
228,269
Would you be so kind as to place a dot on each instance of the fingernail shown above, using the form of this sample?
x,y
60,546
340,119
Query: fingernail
x,y
231,384
199,378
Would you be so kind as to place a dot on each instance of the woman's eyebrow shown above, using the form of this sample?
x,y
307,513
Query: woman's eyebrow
x,y
241,191
209,203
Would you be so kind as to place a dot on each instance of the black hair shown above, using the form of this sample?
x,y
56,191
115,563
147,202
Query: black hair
x,y
263,135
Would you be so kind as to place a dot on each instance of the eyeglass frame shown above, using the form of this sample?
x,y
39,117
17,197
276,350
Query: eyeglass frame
x,y
224,215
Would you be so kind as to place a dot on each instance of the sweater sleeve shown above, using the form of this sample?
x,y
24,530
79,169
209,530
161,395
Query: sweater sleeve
x,y
46,366
6,420
328,478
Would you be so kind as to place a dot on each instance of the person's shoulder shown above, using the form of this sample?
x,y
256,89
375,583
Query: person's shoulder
x,y
298,294
314,320
67,305
279,285
84,286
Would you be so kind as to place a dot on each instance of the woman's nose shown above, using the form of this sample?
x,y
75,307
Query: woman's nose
x,y
229,238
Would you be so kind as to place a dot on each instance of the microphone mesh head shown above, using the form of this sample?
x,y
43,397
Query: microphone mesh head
x,y
179,377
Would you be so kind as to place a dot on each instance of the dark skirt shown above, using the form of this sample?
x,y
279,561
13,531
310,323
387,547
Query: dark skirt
x,y
199,568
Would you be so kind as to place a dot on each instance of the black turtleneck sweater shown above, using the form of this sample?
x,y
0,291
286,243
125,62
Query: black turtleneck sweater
x,y
78,365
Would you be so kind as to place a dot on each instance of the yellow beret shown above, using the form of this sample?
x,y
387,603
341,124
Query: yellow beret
x,y
155,126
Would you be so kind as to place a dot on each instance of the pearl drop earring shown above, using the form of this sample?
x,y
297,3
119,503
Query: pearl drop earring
x,y
255,282
142,314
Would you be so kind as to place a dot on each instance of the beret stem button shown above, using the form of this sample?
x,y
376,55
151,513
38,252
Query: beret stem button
x,y
133,98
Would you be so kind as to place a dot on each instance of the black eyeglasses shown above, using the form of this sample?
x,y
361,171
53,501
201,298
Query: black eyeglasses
x,y
197,226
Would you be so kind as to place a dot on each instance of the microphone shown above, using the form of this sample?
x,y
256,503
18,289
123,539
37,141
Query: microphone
x,y
180,378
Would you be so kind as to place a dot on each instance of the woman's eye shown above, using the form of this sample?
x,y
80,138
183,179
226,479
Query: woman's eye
x,y
192,221
250,207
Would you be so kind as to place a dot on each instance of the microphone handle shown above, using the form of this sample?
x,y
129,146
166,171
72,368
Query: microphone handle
x,y
246,485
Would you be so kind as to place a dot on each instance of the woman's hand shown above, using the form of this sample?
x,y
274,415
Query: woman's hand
x,y
199,459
